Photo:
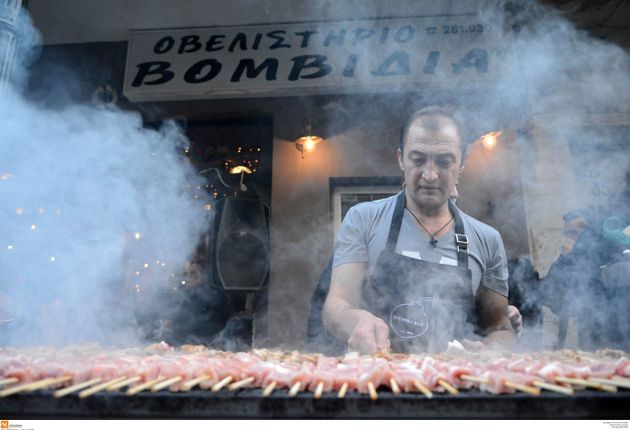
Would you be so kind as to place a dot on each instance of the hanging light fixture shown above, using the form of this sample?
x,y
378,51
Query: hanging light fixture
x,y
307,142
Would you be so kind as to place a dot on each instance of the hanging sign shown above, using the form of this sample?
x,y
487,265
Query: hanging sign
x,y
381,55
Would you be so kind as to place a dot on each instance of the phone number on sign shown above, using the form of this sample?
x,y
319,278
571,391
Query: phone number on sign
x,y
457,29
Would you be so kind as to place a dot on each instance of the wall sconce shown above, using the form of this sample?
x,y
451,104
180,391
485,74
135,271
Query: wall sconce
x,y
307,142
241,170
489,140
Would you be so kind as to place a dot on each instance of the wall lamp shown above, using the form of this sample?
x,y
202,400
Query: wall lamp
x,y
241,170
489,140
307,142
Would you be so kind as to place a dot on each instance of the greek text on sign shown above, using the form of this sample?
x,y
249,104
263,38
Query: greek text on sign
x,y
313,58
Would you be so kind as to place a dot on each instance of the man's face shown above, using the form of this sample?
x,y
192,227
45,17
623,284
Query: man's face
x,y
431,162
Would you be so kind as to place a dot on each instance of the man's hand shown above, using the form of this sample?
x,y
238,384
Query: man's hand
x,y
492,314
369,335
516,319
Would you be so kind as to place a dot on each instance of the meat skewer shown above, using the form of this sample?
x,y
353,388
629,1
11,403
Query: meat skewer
x,y
372,391
424,390
241,384
586,383
138,388
123,383
295,388
167,383
394,386
448,387
222,383
494,384
198,380
537,384
561,372
534,391
553,387
475,379
616,382
269,389
7,381
319,390
32,386
100,387
76,387
343,390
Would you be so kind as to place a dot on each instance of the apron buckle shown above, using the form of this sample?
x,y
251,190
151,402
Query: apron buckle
x,y
462,242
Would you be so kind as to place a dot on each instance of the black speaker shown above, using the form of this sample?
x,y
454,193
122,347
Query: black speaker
x,y
241,239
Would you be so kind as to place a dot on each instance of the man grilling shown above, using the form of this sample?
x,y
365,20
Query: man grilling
x,y
412,271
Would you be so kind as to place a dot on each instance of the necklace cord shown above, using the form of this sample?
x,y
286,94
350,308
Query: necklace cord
x,y
433,240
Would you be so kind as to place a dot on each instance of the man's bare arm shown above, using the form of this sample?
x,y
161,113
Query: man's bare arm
x,y
492,314
343,317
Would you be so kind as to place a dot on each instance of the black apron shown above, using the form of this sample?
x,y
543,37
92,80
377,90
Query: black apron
x,y
425,304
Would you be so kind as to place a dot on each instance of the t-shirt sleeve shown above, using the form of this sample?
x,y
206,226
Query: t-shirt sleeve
x,y
351,246
496,274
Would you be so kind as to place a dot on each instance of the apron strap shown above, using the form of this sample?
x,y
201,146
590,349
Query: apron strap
x,y
394,228
461,240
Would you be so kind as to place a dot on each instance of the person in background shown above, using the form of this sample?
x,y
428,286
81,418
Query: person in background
x,y
575,222
555,288
412,271
592,281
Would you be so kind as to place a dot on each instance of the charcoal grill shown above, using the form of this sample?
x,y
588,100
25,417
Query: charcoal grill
x,y
250,404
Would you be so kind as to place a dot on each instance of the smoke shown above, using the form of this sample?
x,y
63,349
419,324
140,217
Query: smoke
x,y
100,177
564,95
576,90
96,221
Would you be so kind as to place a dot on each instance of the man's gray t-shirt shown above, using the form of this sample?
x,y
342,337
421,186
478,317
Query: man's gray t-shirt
x,y
363,235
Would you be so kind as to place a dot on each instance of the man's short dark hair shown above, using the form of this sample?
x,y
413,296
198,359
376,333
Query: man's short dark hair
x,y
433,118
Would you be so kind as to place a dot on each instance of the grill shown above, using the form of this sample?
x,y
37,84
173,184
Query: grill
x,y
250,404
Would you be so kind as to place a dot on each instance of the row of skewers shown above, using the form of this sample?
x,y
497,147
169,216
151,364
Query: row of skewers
x,y
160,368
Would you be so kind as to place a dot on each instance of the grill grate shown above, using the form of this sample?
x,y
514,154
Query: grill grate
x,y
250,404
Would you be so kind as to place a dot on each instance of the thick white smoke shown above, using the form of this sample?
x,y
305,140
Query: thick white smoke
x,y
96,221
